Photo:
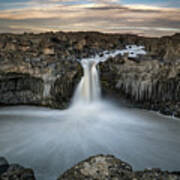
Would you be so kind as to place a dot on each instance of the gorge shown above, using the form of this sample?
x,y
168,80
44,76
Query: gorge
x,y
41,69
93,90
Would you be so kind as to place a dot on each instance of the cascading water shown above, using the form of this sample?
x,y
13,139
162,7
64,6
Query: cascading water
x,y
88,89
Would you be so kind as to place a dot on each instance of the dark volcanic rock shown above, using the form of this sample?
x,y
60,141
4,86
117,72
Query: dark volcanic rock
x,y
150,84
4,165
66,82
14,171
20,89
41,69
108,167
98,167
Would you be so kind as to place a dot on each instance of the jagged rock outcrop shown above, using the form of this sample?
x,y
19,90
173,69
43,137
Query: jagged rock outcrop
x,y
14,171
105,167
99,167
150,84
20,88
41,69
36,76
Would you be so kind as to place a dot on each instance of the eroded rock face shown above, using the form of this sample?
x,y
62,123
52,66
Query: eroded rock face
x,y
20,89
106,167
151,84
65,84
41,69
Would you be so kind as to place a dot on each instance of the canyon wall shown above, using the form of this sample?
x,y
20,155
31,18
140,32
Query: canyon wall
x,y
149,84
42,69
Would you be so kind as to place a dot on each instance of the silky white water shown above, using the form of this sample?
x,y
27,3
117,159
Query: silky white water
x,y
51,141
88,89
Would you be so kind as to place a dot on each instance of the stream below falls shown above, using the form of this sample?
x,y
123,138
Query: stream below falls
x,y
51,141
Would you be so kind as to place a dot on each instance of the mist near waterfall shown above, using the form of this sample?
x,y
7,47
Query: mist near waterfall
x,y
51,141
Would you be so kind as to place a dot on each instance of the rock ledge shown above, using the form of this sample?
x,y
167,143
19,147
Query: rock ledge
x,y
108,167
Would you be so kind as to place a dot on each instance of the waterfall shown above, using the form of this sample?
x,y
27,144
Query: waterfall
x,y
88,89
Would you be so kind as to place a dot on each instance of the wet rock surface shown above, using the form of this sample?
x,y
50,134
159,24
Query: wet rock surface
x,y
148,84
99,167
41,69
106,167
14,171
4,165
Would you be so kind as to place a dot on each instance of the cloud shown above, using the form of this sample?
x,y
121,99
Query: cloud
x,y
107,1
102,16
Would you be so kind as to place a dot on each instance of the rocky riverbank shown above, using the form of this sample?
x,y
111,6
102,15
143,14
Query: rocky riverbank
x,y
105,167
100,167
148,84
41,69
14,171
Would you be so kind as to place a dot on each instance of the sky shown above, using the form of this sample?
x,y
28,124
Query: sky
x,y
143,17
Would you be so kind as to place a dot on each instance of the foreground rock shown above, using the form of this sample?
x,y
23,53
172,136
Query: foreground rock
x,y
14,171
100,167
108,167
41,69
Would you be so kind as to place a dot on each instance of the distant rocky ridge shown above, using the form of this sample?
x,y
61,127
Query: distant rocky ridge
x,y
41,69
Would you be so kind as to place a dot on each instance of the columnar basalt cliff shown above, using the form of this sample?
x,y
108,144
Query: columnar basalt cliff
x,y
149,84
41,69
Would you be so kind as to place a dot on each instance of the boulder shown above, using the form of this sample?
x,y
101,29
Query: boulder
x,y
48,51
98,167
10,47
4,165
17,172
14,171
80,45
106,167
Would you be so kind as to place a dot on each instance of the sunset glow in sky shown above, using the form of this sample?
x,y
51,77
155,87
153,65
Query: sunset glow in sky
x,y
144,17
